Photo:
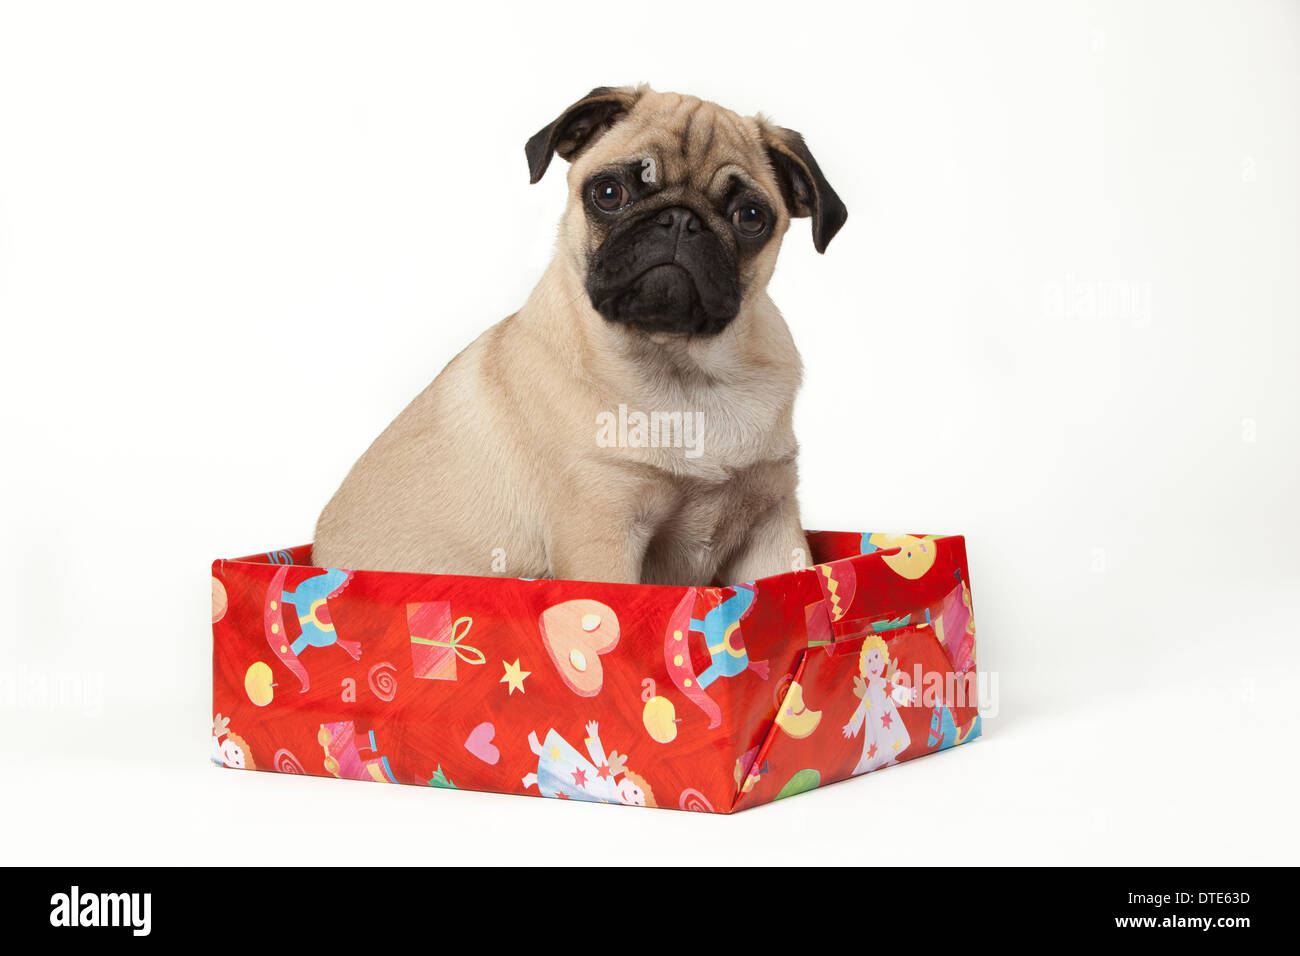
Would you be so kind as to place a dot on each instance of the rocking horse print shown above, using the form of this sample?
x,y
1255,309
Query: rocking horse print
x,y
945,733
720,628
311,601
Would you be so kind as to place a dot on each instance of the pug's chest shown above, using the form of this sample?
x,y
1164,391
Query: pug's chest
x,y
703,444
699,525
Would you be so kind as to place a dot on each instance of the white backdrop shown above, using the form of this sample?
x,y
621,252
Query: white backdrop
x,y
1062,320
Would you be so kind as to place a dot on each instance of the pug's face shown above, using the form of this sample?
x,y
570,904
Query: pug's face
x,y
677,206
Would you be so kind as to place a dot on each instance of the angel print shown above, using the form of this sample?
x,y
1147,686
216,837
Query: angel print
x,y
884,738
565,773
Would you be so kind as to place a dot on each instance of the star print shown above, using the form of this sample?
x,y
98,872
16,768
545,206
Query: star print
x,y
514,676
886,719
872,752
554,753
603,772
580,778
898,742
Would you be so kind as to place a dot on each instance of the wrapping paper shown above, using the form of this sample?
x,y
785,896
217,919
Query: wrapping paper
x,y
714,698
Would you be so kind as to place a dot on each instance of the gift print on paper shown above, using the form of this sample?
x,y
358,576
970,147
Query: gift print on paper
x,y
437,642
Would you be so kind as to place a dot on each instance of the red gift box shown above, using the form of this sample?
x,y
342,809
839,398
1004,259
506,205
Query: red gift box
x,y
711,698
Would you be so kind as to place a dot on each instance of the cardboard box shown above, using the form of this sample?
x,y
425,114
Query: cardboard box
x,y
713,698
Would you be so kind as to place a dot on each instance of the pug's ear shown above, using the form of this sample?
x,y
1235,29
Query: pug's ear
x,y
578,127
804,188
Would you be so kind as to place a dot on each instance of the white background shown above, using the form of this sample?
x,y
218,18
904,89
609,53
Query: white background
x,y
1062,320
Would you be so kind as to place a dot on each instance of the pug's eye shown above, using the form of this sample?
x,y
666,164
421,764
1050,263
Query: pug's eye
x,y
749,220
609,195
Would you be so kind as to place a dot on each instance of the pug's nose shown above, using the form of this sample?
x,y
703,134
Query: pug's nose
x,y
679,220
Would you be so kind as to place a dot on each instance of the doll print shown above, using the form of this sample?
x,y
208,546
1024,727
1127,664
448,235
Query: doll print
x,y
565,773
229,750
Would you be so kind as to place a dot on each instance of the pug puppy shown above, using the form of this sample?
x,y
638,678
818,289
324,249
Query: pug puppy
x,y
632,421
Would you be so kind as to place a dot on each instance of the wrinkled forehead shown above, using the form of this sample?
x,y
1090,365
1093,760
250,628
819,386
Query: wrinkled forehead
x,y
691,143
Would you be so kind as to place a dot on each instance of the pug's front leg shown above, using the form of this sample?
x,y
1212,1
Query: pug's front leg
x,y
603,518
776,544
596,546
